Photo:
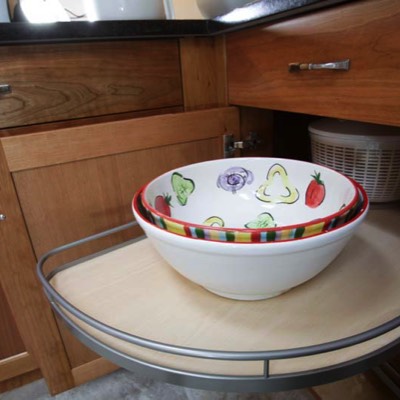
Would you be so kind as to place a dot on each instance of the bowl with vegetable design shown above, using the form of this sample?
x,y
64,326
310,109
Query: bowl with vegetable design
x,y
250,271
252,199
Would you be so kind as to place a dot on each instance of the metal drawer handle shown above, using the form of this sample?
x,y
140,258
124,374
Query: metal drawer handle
x,y
5,88
343,65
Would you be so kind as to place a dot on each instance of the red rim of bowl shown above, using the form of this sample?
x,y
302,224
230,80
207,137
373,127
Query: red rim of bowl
x,y
324,220
362,210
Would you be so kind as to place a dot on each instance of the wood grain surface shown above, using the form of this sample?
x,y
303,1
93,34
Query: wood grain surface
x,y
367,32
31,311
20,380
89,141
80,181
11,342
203,64
16,365
60,82
92,370
358,291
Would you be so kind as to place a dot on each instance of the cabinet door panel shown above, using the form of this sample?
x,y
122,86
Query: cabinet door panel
x,y
79,196
11,342
55,83
65,202
366,32
62,203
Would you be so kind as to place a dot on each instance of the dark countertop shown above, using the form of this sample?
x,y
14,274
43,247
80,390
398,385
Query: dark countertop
x,y
258,12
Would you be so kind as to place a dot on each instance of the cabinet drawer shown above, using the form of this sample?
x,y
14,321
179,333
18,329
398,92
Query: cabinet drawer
x,y
66,81
366,32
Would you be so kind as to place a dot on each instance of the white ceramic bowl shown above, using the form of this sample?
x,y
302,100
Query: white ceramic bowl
x,y
249,271
215,8
101,10
249,194
4,12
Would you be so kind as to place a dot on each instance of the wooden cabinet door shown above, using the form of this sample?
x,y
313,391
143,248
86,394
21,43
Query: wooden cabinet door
x,y
33,318
75,182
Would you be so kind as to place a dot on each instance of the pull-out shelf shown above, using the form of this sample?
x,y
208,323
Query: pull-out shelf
x,y
131,307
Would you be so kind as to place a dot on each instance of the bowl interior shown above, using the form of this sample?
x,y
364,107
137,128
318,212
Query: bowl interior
x,y
357,213
250,193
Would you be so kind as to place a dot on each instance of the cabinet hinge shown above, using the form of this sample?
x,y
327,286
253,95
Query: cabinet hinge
x,y
230,145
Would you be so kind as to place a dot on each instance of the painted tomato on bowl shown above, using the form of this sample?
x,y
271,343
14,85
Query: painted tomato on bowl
x,y
315,192
163,204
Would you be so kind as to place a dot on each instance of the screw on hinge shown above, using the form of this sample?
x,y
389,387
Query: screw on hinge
x,y
230,145
2,217
5,88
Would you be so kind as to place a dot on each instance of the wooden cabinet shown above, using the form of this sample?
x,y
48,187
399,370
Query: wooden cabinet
x,y
366,32
54,86
87,124
32,315
56,82
74,182
72,171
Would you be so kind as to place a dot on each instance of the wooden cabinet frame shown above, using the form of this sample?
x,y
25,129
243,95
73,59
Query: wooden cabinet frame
x,y
209,79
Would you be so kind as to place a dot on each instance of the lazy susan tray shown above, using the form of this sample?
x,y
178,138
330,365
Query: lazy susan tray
x,y
131,307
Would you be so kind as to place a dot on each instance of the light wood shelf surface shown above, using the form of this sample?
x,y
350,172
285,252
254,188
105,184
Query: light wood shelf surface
x,y
134,290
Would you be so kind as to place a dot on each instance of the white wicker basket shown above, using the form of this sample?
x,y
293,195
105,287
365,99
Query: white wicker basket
x,y
368,153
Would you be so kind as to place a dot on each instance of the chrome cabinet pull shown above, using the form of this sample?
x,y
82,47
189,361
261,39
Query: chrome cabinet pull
x,y
5,88
343,65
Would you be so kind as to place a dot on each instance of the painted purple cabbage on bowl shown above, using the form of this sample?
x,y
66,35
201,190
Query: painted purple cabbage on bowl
x,y
234,178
